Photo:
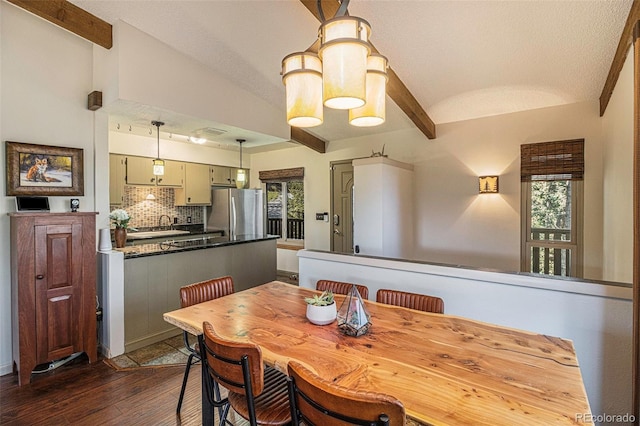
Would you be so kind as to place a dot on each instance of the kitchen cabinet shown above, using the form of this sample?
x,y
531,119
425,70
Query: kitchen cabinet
x,y
53,288
196,189
222,176
117,178
140,172
225,176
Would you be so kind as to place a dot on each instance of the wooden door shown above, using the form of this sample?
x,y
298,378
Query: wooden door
x,y
58,273
341,217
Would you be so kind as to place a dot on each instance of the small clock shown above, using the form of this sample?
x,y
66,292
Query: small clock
x,y
75,204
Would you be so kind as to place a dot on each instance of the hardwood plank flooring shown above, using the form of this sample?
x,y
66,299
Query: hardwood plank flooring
x,y
80,393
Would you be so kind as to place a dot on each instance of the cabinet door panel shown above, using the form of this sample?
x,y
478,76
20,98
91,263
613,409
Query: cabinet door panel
x,y
173,174
140,171
58,260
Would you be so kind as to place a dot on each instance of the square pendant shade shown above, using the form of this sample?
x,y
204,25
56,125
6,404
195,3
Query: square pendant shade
x,y
158,167
344,47
302,77
372,113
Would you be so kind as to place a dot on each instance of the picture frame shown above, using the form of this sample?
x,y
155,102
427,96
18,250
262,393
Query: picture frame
x,y
44,170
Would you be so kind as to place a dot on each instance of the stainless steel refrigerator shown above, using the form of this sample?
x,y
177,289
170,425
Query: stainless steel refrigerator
x,y
236,212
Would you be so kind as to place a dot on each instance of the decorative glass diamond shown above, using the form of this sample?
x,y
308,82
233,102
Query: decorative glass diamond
x,y
353,318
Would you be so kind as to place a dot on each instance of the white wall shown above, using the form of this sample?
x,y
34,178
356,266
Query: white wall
x,y
453,223
45,77
152,73
596,317
617,124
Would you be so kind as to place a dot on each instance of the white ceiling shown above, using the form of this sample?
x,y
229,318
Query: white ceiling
x,y
460,59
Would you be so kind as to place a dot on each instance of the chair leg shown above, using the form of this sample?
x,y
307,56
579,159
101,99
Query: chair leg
x,y
184,383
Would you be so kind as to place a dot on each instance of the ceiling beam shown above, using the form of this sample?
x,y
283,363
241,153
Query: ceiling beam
x,y
72,18
308,140
396,89
621,55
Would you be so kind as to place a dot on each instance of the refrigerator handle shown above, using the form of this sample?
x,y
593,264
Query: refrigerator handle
x,y
233,217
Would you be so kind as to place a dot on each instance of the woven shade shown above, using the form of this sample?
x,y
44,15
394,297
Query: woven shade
x,y
559,160
281,175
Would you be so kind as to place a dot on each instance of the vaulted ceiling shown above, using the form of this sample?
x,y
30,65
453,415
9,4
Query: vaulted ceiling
x,y
460,59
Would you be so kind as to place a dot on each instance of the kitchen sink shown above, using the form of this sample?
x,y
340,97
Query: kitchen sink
x,y
155,234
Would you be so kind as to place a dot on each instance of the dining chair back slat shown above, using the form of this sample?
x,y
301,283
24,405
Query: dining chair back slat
x,y
193,294
317,401
257,393
338,287
421,302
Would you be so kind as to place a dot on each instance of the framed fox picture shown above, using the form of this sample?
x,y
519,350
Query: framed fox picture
x,y
44,170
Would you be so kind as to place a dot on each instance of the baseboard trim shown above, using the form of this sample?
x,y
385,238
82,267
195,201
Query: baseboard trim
x,y
6,369
148,340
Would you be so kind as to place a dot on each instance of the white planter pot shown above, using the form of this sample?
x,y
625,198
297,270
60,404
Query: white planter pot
x,y
321,315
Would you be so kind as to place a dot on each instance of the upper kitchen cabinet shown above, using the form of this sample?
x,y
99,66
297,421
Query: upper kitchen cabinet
x,y
196,189
225,176
140,172
221,176
117,178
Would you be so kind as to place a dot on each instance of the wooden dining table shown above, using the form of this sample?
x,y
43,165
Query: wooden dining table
x,y
446,370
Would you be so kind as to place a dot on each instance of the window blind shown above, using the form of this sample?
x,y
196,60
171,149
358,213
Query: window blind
x,y
558,160
281,175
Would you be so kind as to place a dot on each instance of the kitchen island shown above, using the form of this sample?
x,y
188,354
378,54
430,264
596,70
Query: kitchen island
x,y
141,282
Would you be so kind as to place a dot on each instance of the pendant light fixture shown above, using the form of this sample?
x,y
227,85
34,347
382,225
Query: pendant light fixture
x,y
373,113
158,164
241,175
352,77
302,78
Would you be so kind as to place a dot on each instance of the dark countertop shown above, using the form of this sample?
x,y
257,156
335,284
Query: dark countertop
x,y
195,243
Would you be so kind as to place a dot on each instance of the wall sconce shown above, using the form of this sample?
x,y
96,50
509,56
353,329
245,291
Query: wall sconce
x,y
488,184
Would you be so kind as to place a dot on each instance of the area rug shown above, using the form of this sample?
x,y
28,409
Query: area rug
x,y
169,352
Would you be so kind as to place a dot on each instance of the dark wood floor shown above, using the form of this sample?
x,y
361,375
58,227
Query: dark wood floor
x,y
82,394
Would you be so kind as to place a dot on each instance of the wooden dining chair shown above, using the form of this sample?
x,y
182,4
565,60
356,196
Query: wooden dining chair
x,y
338,287
317,401
257,392
191,295
421,302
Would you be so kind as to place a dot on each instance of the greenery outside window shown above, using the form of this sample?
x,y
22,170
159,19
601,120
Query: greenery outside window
x,y
285,203
552,200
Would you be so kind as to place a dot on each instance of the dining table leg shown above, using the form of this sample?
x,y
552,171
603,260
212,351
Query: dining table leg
x,y
207,408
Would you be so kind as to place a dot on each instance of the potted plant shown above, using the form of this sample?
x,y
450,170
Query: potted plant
x,y
321,309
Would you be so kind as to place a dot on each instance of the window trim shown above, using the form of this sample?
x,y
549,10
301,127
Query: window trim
x,y
283,240
576,246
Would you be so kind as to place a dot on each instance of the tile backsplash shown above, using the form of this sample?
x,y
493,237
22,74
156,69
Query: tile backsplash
x,y
146,213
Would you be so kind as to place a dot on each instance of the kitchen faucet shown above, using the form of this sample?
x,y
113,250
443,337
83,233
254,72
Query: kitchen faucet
x,y
160,221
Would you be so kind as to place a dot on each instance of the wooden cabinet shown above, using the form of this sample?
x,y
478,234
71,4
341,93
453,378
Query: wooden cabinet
x,y
221,176
196,189
225,176
140,172
53,288
117,178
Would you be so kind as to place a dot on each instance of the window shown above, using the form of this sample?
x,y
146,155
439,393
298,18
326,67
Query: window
x,y
551,174
285,203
